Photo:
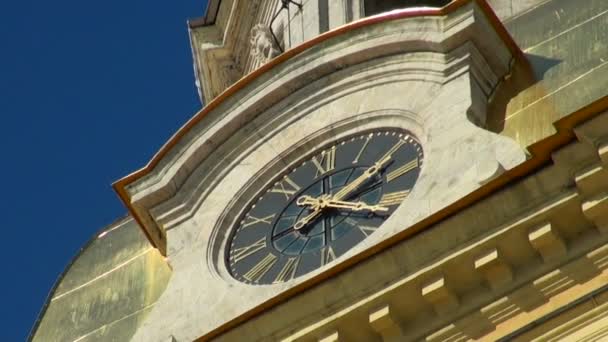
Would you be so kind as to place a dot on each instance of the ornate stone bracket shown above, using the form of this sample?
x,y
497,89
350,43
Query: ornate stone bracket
x,y
263,47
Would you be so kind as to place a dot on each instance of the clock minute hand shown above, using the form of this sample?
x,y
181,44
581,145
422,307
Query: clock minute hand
x,y
371,171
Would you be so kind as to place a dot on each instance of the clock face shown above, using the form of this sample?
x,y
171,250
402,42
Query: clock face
x,y
327,204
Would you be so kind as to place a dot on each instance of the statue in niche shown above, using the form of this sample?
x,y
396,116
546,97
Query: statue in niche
x,y
262,44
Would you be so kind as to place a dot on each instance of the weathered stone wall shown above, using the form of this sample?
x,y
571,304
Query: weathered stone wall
x,y
566,43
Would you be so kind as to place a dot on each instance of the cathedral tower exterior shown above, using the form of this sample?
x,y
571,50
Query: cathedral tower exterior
x,y
367,171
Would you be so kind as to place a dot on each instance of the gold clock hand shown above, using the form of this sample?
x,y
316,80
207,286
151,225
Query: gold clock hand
x,y
308,200
371,171
319,203
355,206
304,220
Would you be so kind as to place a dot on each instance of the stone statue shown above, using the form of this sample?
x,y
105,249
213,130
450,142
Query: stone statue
x,y
263,47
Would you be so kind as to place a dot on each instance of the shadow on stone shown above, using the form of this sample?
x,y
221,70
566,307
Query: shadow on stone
x,y
541,65
522,78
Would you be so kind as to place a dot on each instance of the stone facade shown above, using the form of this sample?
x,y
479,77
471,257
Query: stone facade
x,y
502,238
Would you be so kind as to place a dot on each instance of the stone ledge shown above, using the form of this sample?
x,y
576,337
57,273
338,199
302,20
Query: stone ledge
x,y
385,324
547,242
440,296
596,210
494,268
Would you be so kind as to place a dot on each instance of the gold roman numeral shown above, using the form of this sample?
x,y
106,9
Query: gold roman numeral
x,y
241,253
369,137
393,198
402,170
258,271
289,270
286,187
254,220
327,163
327,255
366,230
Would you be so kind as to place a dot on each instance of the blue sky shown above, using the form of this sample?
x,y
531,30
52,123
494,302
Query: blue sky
x,y
89,90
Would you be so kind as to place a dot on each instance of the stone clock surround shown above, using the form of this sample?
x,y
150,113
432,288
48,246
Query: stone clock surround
x,y
429,75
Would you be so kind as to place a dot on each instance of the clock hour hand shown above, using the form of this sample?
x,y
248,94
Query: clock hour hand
x,y
306,200
306,219
354,206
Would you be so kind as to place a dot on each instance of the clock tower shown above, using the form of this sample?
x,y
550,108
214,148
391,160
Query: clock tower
x,y
375,171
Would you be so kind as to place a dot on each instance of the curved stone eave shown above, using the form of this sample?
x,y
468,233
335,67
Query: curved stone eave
x,y
79,305
140,200
61,276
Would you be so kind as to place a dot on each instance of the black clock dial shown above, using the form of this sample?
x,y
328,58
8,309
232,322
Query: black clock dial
x,y
326,205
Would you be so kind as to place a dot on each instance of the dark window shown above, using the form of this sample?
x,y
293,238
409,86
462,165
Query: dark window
x,y
378,6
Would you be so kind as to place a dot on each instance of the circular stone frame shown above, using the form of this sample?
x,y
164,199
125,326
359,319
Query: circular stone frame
x,y
391,119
